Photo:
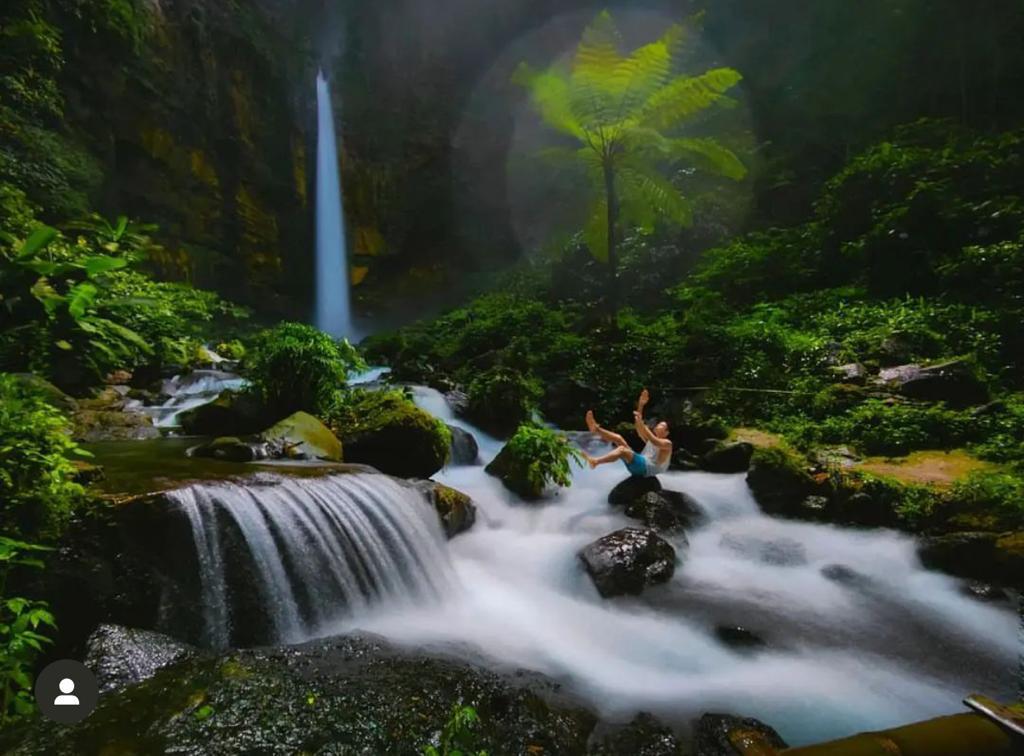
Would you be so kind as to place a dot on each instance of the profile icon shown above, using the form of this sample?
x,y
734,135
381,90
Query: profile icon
x,y
66,691
67,688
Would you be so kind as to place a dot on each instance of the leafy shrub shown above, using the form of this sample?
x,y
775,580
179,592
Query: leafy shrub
x,y
458,737
21,641
294,366
997,498
37,488
501,399
532,459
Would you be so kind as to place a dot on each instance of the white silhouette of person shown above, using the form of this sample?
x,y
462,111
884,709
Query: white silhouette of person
x,y
67,685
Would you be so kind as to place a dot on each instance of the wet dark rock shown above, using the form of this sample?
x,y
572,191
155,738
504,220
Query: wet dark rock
x,y
458,401
359,694
628,560
644,736
813,507
665,511
107,417
630,489
465,450
454,508
684,460
780,552
840,573
983,591
229,449
122,656
715,735
863,509
780,482
233,413
514,473
738,637
953,381
87,473
728,457
995,557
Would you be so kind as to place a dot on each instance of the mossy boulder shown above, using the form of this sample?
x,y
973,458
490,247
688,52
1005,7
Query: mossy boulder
x,y
725,457
715,735
302,436
386,430
997,557
356,694
92,425
513,472
233,413
779,480
455,509
228,449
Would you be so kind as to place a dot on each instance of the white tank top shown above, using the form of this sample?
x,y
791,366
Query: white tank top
x,y
654,467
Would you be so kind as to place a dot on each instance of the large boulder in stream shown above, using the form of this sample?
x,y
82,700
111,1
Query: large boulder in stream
x,y
665,511
122,656
465,450
233,413
302,436
996,557
729,735
628,560
953,381
631,489
725,457
385,430
454,508
354,694
780,482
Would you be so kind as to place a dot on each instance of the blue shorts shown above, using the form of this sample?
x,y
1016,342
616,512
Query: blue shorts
x,y
638,467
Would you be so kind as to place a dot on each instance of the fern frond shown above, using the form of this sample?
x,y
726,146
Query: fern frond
x,y
598,51
644,71
711,155
641,183
550,92
685,96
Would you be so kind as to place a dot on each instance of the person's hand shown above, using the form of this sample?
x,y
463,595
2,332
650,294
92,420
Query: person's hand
x,y
644,398
637,416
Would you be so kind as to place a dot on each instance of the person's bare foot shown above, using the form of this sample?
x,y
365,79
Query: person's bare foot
x,y
592,461
592,425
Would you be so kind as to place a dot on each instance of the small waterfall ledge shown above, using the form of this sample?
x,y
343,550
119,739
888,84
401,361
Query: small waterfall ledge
x,y
277,559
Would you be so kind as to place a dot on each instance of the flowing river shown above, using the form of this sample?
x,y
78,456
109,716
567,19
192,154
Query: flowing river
x,y
887,644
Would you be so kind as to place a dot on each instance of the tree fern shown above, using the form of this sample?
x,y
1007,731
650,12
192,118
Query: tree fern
x,y
618,107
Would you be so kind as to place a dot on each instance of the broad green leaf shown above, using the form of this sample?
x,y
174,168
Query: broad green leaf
x,y
80,299
37,240
686,96
99,264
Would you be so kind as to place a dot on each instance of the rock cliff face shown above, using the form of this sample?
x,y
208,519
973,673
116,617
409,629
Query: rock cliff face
x,y
202,125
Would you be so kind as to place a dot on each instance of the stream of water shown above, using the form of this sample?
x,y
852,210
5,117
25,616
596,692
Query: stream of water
x,y
889,644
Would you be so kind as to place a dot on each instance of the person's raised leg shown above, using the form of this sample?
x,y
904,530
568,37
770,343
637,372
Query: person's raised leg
x,y
623,453
607,435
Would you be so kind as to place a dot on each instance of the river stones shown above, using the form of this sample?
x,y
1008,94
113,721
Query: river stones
x,y
465,450
632,488
358,695
665,511
728,458
643,736
729,735
302,436
628,560
122,656
738,637
230,449
455,509
996,557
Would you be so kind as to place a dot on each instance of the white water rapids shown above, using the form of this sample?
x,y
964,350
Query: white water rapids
x,y
896,644
888,643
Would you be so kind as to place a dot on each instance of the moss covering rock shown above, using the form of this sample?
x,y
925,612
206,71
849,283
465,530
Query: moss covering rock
x,y
533,461
356,693
302,436
454,508
386,430
779,480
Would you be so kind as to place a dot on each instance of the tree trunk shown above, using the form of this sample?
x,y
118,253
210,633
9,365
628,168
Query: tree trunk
x,y
613,258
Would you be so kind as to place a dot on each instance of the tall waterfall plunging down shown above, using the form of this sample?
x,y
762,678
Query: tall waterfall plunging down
x,y
290,555
332,301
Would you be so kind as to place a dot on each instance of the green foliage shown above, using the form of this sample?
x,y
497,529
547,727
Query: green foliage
x,y
544,455
37,488
501,398
996,496
458,736
618,109
294,366
22,623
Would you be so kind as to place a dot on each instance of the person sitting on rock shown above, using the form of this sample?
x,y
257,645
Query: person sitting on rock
x,y
656,454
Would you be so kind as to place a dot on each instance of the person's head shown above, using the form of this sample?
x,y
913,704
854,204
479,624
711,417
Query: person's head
x,y
661,429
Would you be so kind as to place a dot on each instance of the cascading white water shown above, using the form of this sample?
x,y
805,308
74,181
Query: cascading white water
x,y
885,644
190,391
317,549
332,285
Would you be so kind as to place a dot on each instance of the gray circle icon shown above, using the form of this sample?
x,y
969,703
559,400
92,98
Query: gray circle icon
x,y
66,691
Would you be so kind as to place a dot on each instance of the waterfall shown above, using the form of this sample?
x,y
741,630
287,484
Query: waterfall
x,y
279,560
332,301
